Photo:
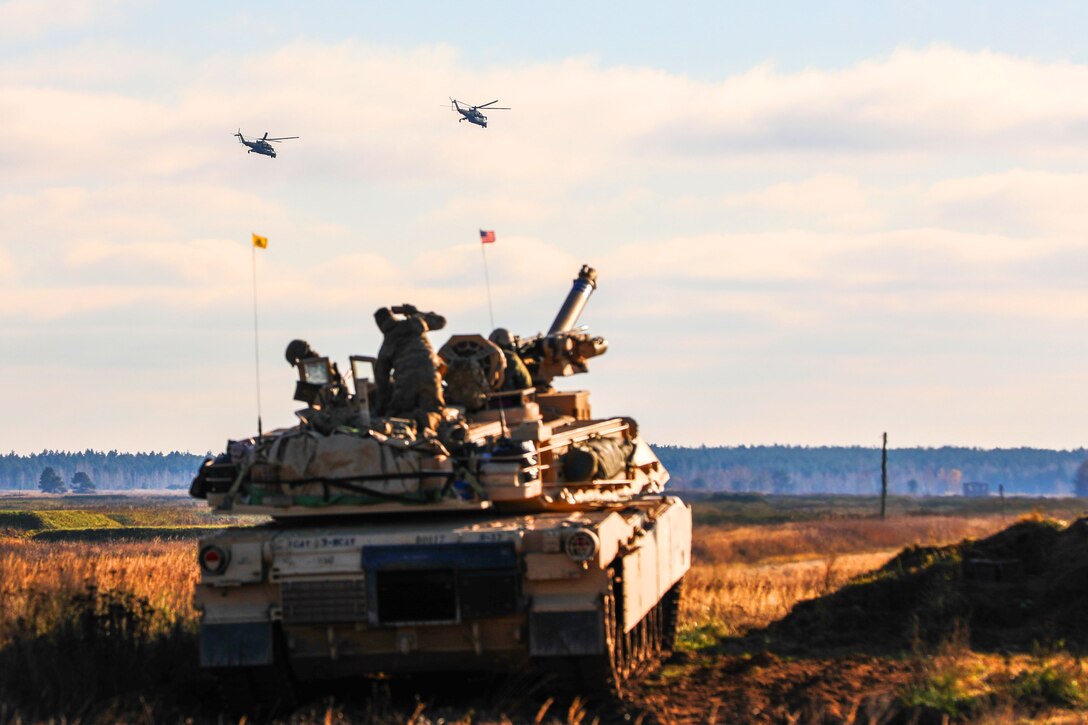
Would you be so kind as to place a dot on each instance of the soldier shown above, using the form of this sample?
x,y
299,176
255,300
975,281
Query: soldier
x,y
407,370
517,375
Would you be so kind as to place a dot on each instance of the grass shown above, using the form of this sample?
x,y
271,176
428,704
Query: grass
x,y
104,629
89,630
745,577
953,682
124,533
125,509
1054,681
109,517
721,509
28,521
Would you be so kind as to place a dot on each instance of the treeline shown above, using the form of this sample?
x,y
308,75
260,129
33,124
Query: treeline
x,y
107,470
764,469
856,470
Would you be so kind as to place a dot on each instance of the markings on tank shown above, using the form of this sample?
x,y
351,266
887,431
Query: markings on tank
x,y
320,542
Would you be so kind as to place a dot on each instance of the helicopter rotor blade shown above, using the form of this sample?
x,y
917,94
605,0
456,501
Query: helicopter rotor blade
x,y
498,108
485,105
281,138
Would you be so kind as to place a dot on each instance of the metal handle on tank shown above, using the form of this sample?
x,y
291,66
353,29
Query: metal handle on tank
x,y
576,300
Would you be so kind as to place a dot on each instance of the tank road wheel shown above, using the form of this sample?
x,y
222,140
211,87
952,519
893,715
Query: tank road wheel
x,y
670,617
602,675
629,654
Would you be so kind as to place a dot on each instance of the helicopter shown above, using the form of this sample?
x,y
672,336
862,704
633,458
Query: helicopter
x,y
261,145
472,114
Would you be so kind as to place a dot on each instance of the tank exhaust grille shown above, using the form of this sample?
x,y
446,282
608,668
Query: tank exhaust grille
x,y
324,602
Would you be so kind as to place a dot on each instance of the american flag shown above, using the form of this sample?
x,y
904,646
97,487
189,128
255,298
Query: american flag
x,y
487,237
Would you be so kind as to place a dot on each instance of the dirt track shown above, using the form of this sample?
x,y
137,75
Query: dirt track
x,y
765,688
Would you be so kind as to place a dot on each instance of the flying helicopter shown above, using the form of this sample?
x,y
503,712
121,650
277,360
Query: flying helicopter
x,y
472,114
262,145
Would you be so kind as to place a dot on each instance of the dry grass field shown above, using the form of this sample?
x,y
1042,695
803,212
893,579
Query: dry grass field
x,y
745,577
104,631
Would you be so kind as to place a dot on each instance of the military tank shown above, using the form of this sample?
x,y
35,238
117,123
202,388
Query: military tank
x,y
519,531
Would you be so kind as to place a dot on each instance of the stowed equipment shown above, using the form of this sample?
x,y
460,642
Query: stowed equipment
x,y
529,448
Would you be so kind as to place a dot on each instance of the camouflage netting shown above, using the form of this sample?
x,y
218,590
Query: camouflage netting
x,y
302,463
1020,588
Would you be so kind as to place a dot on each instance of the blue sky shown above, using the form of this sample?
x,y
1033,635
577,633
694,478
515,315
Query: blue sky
x,y
812,224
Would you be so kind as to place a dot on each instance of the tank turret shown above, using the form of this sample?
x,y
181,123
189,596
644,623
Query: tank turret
x,y
527,448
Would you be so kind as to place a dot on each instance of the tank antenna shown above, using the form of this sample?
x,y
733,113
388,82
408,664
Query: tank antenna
x,y
259,242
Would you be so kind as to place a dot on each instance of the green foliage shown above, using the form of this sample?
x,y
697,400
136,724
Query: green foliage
x,y
162,510
77,525
701,636
19,521
54,519
76,519
82,483
126,533
1080,480
942,692
111,469
719,509
1050,684
50,482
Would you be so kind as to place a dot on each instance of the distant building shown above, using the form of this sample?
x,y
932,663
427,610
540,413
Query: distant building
x,y
974,489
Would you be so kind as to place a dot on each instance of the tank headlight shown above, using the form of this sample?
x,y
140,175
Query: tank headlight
x,y
214,559
582,545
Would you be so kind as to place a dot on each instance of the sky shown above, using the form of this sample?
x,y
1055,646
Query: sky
x,y
813,223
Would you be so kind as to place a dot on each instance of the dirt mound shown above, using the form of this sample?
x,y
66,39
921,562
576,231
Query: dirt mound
x,y
1024,586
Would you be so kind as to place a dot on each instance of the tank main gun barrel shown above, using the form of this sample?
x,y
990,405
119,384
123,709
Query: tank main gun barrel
x,y
576,301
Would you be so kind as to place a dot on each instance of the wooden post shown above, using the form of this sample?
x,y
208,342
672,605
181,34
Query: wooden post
x,y
884,478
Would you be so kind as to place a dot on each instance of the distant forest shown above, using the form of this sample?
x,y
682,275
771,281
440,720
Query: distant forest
x,y
856,470
764,469
107,470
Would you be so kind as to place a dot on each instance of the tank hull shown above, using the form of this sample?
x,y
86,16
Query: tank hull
x,y
472,592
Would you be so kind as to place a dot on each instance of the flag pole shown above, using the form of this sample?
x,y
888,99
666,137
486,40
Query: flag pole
x,y
256,345
487,281
491,314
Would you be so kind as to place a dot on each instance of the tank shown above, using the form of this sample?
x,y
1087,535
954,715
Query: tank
x,y
505,528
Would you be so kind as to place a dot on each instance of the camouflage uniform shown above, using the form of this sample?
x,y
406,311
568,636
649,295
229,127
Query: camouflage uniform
x,y
409,385
516,376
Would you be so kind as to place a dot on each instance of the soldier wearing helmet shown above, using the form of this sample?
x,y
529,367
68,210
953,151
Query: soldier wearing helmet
x,y
517,375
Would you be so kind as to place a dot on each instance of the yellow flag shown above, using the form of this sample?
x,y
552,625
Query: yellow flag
x,y
259,241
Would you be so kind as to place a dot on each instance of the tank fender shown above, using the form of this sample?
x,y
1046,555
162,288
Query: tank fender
x,y
613,531
662,556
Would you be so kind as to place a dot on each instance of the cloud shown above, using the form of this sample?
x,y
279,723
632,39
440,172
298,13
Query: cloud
x,y
776,230
367,112
826,199
1028,201
20,19
937,98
